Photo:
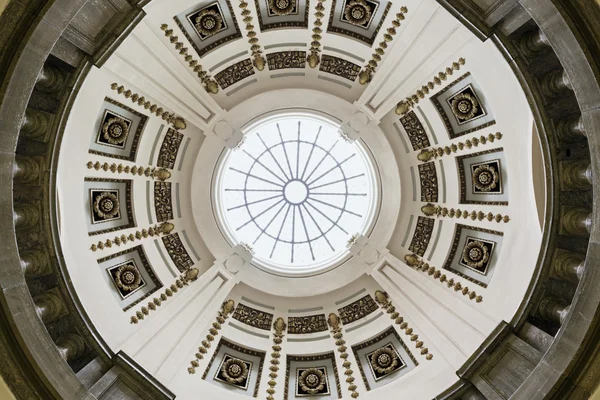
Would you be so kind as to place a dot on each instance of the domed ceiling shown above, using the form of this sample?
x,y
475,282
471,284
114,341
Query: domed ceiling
x,y
289,199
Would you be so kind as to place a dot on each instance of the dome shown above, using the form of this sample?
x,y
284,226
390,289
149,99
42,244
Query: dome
x,y
299,200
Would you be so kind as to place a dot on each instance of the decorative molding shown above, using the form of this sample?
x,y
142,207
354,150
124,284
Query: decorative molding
x,y
208,83
312,358
406,105
169,148
426,155
177,252
357,309
307,324
439,211
163,201
226,309
257,58
336,329
366,75
429,182
413,261
253,317
149,172
463,183
278,328
165,228
339,66
234,73
353,35
184,280
315,45
384,301
176,121
286,59
415,131
128,203
275,10
422,235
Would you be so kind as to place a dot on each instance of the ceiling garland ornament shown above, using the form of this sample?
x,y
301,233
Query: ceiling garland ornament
x,y
234,370
258,60
428,154
315,46
413,261
164,229
279,329
405,106
185,279
439,211
335,323
366,75
160,174
209,84
226,309
177,122
384,301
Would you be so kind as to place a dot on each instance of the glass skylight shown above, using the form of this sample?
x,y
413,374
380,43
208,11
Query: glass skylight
x,y
296,192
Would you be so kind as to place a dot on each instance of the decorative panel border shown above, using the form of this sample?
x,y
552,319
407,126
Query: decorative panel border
x,y
307,324
163,201
422,236
253,317
177,252
339,67
429,182
358,309
368,40
169,149
128,195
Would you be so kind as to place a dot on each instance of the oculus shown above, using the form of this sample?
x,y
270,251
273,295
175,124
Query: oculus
x,y
359,12
487,177
465,105
234,371
282,7
105,205
114,130
127,278
477,254
312,382
296,192
385,361
208,21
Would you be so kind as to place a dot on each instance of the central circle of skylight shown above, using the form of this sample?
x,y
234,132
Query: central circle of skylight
x,y
296,192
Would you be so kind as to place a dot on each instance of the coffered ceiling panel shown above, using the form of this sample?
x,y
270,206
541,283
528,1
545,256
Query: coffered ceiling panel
x,y
278,14
358,19
209,25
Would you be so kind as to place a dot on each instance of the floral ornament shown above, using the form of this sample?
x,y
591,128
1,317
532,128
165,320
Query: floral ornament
x,y
128,278
464,106
384,360
357,12
476,254
106,205
282,7
209,22
485,178
115,130
312,380
234,370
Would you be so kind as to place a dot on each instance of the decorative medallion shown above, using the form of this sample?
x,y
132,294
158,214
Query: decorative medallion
x,y
105,205
282,7
250,316
358,309
359,12
465,105
127,278
312,382
114,130
340,67
477,254
415,131
169,149
163,201
487,177
208,21
234,371
286,59
422,236
234,73
177,252
385,361
429,182
307,324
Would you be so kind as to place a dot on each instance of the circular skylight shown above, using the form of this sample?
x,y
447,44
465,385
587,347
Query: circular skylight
x,y
295,191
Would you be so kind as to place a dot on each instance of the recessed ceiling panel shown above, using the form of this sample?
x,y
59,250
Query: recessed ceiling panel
x,y
281,14
358,19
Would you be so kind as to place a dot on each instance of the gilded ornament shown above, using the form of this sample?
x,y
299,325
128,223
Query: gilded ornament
x,y
312,380
106,205
464,106
128,277
282,7
357,12
208,22
234,370
384,360
115,130
476,254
